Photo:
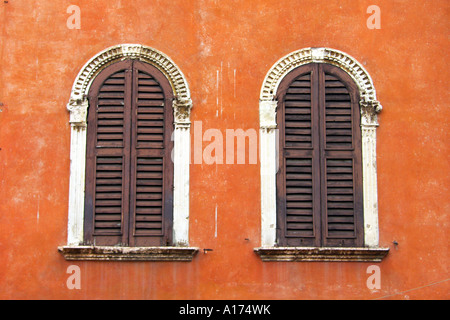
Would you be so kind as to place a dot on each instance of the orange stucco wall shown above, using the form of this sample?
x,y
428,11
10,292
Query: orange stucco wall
x,y
225,49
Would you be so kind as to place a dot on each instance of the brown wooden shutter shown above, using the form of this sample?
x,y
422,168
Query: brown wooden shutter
x,y
342,206
298,175
318,178
127,149
152,171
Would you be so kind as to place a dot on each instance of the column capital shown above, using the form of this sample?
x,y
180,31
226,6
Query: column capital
x,y
182,113
369,110
267,114
78,112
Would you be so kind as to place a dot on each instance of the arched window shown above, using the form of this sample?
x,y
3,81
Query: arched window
x,y
318,160
129,172
129,176
319,181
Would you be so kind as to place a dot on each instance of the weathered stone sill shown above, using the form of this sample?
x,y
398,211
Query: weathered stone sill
x,y
111,253
321,254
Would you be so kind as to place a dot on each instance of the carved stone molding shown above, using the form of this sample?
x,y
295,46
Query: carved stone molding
x,y
78,112
369,110
331,56
128,253
116,53
297,254
267,114
182,113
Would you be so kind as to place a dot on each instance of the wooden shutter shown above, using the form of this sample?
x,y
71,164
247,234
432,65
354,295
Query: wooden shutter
x,y
318,191
152,170
298,174
127,149
342,206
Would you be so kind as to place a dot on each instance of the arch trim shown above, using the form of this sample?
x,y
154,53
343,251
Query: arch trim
x,y
78,98
370,107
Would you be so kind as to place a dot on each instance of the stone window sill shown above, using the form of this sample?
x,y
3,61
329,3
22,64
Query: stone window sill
x,y
111,253
321,254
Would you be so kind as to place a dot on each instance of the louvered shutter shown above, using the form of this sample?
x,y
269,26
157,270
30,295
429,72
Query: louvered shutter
x,y
298,174
152,172
318,182
341,161
107,157
128,173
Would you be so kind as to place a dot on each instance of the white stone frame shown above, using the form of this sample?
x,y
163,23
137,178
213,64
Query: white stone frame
x,y
78,106
369,107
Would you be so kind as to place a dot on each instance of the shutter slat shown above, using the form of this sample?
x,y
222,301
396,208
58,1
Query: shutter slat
x,y
111,109
147,82
108,195
340,198
150,89
300,90
151,103
150,116
111,95
299,200
149,218
151,96
107,217
338,114
298,97
298,104
120,74
110,112
150,112
149,196
114,81
116,87
297,113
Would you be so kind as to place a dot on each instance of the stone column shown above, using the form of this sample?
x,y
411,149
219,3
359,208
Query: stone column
x,y
181,159
78,112
269,168
369,123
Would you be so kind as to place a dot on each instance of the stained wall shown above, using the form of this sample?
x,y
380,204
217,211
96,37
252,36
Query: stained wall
x,y
225,49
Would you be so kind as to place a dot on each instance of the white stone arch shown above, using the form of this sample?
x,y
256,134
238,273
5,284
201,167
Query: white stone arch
x,y
78,105
369,107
